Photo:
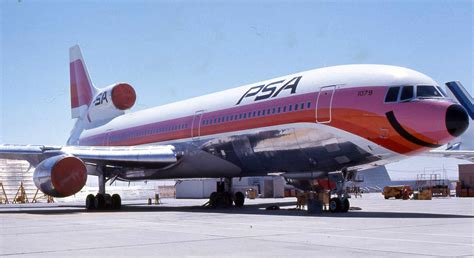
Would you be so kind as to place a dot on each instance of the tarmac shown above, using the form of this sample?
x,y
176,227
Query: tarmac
x,y
377,227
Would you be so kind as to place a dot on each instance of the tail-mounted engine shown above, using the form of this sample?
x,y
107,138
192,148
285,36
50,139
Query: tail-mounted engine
x,y
60,176
111,102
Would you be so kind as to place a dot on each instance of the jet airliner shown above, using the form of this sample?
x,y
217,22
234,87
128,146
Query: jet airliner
x,y
318,124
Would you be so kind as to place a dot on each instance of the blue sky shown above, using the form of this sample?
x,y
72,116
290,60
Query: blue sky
x,y
172,50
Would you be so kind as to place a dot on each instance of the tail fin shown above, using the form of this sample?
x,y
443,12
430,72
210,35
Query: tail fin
x,y
82,89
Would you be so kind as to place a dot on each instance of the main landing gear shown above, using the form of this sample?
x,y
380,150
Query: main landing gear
x,y
103,201
340,203
224,197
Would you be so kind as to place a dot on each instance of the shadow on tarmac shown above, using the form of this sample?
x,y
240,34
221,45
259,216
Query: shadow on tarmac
x,y
252,209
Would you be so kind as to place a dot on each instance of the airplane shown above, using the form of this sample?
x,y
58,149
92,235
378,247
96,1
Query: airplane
x,y
325,123
462,147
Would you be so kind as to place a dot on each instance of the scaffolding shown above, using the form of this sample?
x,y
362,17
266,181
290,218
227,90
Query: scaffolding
x,y
36,197
438,184
3,195
16,179
20,196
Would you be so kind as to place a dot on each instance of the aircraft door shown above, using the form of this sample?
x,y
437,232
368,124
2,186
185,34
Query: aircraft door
x,y
196,125
324,104
106,141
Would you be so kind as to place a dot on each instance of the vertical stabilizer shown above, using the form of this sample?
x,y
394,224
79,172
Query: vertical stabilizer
x,y
82,90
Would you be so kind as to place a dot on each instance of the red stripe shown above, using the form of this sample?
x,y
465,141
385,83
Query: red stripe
x,y
349,113
81,90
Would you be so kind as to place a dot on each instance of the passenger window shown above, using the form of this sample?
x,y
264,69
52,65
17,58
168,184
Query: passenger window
x,y
308,105
278,111
274,110
302,106
407,93
258,113
284,109
392,94
296,107
289,108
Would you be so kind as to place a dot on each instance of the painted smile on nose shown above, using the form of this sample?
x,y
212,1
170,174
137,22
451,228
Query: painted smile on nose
x,y
405,134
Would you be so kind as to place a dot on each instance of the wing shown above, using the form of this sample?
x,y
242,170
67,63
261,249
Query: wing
x,y
122,156
459,154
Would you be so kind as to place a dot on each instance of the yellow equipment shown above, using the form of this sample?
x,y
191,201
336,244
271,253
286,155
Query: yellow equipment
x,y
398,192
3,195
20,196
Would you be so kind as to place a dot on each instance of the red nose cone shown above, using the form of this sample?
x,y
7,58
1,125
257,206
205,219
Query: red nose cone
x,y
123,96
457,120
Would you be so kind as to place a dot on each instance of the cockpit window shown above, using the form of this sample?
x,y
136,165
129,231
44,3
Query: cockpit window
x,y
407,93
424,91
392,94
441,91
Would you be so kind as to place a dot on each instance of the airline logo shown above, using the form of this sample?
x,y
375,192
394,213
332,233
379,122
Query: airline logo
x,y
271,90
101,98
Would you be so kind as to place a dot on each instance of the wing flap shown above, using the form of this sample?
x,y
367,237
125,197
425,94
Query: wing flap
x,y
140,154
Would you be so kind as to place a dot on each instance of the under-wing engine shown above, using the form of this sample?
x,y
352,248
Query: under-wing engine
x,y
60,176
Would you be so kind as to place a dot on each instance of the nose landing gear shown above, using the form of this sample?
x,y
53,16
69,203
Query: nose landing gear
x,y
340,203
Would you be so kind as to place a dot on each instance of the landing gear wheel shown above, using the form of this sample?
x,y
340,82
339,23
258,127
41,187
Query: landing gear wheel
x,y
220,200
99,202
213,199
334,205
345,205
227,200
90,205
116,202
108,201
239,199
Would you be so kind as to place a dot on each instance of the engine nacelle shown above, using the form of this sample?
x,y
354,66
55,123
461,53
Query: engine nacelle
x,y
112,101
60,176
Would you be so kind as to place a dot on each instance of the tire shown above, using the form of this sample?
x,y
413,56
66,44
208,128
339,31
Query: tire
x,y
99,202
90,202
345,205
213,199
386,197
334,205
116,202
108,201
239,199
